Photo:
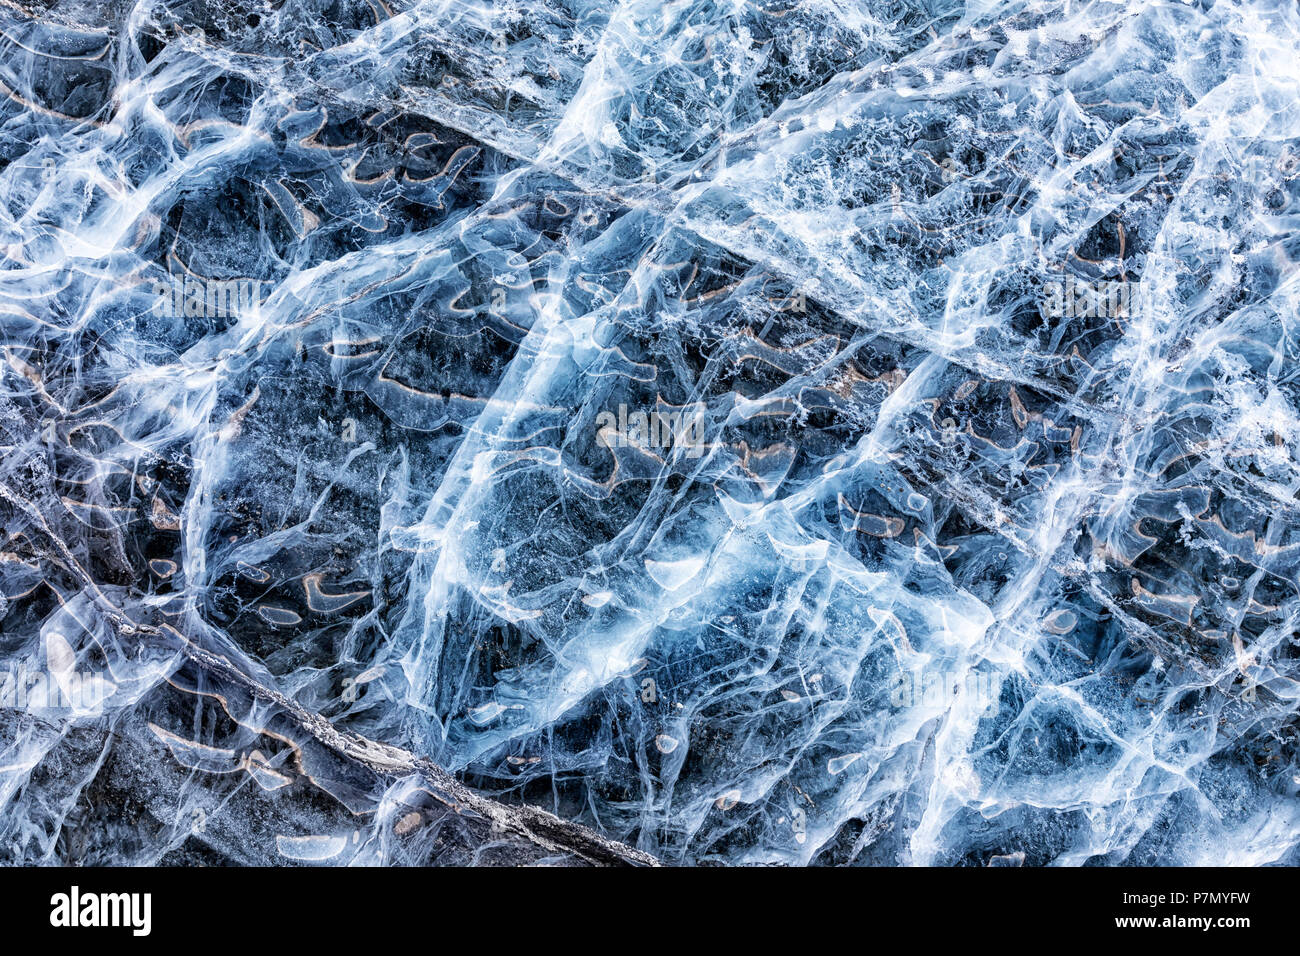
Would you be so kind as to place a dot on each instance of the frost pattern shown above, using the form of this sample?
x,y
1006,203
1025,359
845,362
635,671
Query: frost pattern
x,y
317,320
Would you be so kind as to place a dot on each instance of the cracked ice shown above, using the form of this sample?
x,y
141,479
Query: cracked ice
x,y
813,433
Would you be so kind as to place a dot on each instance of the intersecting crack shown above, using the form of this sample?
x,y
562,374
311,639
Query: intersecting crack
x,y
538,826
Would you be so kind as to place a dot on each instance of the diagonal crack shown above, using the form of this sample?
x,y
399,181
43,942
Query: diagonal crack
x,y
531,823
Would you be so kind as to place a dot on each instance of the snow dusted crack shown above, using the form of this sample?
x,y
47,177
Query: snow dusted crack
x,y
538,827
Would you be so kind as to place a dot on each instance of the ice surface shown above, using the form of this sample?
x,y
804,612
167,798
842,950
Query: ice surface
x,y
756,432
